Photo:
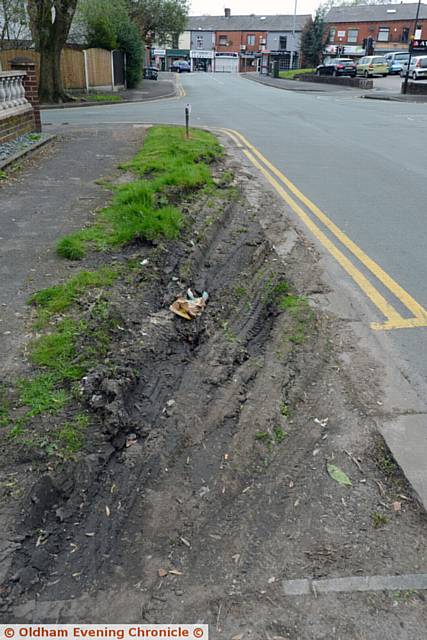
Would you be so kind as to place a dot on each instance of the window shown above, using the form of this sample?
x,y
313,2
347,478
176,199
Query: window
x,y
352,35
383,33
199,42
405,34
332,33
282,42
251,40
223,40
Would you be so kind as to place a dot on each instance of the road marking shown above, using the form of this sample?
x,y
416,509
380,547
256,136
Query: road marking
x,y
351,584
394,320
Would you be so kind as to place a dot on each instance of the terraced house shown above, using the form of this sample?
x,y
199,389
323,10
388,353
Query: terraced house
x,y
389,25
235,43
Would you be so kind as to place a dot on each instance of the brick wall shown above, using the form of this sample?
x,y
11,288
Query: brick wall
x,y
13,126
366,29
235,39
30,86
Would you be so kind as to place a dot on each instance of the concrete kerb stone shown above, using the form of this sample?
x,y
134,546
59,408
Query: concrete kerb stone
x,y
352,584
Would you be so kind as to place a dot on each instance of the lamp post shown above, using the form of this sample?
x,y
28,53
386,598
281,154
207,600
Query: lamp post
x,y
293,34
405,84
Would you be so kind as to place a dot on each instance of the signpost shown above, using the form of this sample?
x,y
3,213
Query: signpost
x,y
187,120
405,84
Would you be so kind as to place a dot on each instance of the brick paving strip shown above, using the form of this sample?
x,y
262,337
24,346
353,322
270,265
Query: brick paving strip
x,y
308,586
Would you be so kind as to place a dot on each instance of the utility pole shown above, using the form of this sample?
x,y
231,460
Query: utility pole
x,y
405,84
293,34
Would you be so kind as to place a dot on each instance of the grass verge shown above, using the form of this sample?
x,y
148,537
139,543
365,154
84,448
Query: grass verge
x,y
290,75
167,167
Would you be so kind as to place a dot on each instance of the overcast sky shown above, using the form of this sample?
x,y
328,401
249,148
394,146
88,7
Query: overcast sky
x,y
244,7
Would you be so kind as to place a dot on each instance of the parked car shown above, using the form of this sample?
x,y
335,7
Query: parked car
x,y
337,67
181,66
150,73
417,68
370,66
395,61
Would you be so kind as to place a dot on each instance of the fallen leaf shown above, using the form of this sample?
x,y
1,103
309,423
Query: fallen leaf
x,y
397,506
175,572
162,572
338,475
238,637
185,541
90,535
107,511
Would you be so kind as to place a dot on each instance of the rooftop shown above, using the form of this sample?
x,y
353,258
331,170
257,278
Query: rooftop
x,y
246,23
376,12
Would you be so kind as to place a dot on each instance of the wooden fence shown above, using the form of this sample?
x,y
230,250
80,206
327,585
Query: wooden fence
x,y
77,74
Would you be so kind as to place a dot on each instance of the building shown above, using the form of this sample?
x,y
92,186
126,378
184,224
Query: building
x,y
235,43
389,25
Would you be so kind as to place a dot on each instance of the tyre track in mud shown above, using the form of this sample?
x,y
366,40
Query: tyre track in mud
x,y
200,493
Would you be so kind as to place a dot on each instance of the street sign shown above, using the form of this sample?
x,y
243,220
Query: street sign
x,y
418,46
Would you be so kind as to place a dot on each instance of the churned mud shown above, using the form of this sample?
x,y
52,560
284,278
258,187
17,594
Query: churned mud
x,y
203,480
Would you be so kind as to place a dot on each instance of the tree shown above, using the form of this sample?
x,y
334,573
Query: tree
x,y
13,21
50,22
313,39
107,24
159,20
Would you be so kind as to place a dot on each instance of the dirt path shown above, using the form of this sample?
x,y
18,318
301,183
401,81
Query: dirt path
x,y
225,493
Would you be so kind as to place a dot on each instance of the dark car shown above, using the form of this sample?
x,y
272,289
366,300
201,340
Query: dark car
x,y
181,66
150,73
337,67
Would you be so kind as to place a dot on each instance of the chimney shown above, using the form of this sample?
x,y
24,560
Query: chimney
x,y
227,13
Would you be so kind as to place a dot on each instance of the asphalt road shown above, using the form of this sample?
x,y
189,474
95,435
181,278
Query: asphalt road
x,y
362,162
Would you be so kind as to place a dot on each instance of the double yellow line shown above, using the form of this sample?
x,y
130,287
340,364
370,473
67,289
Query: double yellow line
x,y
295,199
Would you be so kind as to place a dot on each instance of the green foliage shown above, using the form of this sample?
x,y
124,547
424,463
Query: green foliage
x,y
41,394
130,42
291,73
60,297
313,39
3,175
167,166
161,20
279,434
107,24
57,351
71,247
103,97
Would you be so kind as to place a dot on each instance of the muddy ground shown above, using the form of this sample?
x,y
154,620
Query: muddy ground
x,y
231,419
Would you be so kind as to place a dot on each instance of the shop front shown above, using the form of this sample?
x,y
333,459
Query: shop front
x,y
227,62
201,60
173,55
158,59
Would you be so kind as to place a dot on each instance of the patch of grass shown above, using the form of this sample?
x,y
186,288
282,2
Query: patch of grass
x,y
40,394
290,74
60,297
103,97
3,175
168,166
34,137
378,520
57,351
279,434
262,435
228,333
70,437
71,247
285,410
385,460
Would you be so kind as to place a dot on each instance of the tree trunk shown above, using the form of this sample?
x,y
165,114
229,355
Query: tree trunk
x,y
50,80
50,23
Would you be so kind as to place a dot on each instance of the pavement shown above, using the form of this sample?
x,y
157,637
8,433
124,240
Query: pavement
x,y
384,88
55,195
166,86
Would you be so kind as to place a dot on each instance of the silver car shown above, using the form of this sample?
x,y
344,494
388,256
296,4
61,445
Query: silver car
x,y
417,68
